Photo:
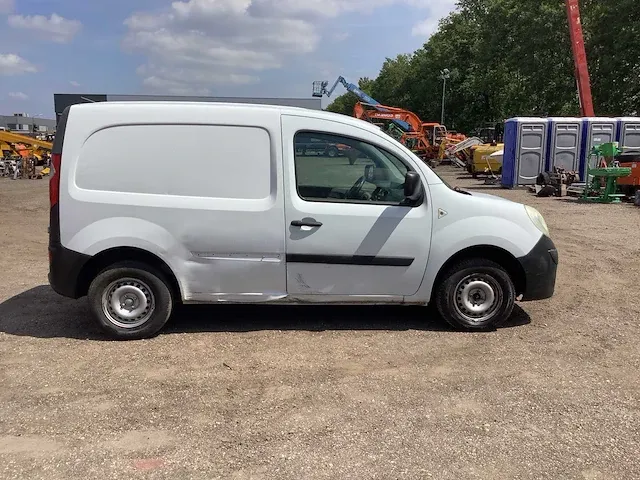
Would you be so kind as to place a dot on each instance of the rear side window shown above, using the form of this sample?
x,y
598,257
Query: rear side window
x,y
183,160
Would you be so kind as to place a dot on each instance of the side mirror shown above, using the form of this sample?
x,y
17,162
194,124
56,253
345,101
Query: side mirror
x,y
412,188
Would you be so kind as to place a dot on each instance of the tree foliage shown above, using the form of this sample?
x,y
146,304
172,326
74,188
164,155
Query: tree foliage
x,y
508,58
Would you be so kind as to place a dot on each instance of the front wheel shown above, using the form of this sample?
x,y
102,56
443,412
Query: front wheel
x,y
130,300
476,294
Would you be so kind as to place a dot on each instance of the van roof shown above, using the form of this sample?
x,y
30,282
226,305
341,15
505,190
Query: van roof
x,y
284,109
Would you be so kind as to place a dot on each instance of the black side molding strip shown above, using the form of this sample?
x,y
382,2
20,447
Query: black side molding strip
x,y
350,260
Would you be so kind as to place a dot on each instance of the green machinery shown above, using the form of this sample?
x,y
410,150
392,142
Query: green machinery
x,y
602,178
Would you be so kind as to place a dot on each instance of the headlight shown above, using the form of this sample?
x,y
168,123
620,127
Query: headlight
x,y
537,219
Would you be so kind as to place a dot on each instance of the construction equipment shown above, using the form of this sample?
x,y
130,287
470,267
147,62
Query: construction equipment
x,y
23,146
413,138
603,187
482,161
554,183
461,153
320,89
580,58
630,185
425,139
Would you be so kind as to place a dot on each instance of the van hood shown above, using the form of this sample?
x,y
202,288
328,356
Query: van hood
x,y
495,198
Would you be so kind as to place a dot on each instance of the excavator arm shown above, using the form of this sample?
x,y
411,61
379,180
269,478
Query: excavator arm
x,y
384,112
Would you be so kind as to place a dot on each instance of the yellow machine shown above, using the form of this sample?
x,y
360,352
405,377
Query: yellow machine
x,y
482,162
15,143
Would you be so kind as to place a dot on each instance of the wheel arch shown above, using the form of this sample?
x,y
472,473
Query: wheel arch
x,y
102,260
490,252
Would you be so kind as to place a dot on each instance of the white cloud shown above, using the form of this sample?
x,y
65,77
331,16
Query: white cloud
x,y
196,44
12,64
438,9
73,83
340,37
193,45
19,95
6,6
55,28
425,28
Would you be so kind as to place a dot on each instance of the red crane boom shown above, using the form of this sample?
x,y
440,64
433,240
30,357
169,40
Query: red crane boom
x,y
580,59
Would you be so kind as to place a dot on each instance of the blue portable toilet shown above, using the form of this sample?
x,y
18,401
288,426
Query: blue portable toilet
x,y
595,131
525,150
629,136
565,143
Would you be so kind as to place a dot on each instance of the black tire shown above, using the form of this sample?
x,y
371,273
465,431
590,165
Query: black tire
x,y
142,279
332,151
485,274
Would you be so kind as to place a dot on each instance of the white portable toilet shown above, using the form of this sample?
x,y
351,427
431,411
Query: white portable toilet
x,y
595,131
565,143
525,150
629,136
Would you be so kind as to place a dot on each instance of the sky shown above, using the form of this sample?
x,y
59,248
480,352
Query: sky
x,y
259,48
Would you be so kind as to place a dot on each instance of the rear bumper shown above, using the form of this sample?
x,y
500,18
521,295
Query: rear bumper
x,y
540,267
65,267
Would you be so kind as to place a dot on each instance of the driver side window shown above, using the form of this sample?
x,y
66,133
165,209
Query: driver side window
x,y
333,168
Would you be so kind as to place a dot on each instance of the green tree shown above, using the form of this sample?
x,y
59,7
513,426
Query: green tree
x,y
613,52
513,58
392,85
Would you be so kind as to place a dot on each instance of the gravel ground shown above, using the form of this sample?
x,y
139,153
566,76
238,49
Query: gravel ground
x,y
306,392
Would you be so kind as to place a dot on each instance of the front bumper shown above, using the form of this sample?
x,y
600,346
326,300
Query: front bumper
x,y
540,266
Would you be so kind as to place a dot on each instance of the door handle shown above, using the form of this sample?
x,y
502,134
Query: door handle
x,y
306,223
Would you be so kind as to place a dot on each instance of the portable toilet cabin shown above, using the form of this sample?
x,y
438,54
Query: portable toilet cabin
x,y
595,131
564,144
629,136
525,150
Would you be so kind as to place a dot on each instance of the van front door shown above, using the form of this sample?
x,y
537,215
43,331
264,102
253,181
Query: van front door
x,y
348,234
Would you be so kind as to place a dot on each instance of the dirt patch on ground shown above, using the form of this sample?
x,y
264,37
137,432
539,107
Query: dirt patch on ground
x,y
306,392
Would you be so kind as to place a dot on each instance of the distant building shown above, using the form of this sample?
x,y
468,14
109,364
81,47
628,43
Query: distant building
x,y
63,100
23,123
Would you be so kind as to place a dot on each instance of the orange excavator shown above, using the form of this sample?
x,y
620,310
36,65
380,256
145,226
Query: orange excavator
x,y
428,140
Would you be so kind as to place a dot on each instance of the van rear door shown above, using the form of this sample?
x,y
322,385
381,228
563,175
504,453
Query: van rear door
x,y
347,232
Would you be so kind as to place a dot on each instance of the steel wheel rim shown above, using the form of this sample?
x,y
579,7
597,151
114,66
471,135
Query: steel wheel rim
x,y
128,303
477,297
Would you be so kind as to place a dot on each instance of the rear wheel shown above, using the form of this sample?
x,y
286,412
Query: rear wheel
x,y
130,300
476,294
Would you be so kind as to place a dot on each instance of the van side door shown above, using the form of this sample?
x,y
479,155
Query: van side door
x,y
348,232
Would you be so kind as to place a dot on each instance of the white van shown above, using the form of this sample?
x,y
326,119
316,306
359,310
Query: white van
x,y
158,203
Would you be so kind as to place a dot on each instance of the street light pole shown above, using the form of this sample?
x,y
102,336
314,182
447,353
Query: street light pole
x,y
444,75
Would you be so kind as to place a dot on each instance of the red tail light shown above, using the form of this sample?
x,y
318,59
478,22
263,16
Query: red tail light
x,y
54,183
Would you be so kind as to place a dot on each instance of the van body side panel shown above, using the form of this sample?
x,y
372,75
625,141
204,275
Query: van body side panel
x,y
199,187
